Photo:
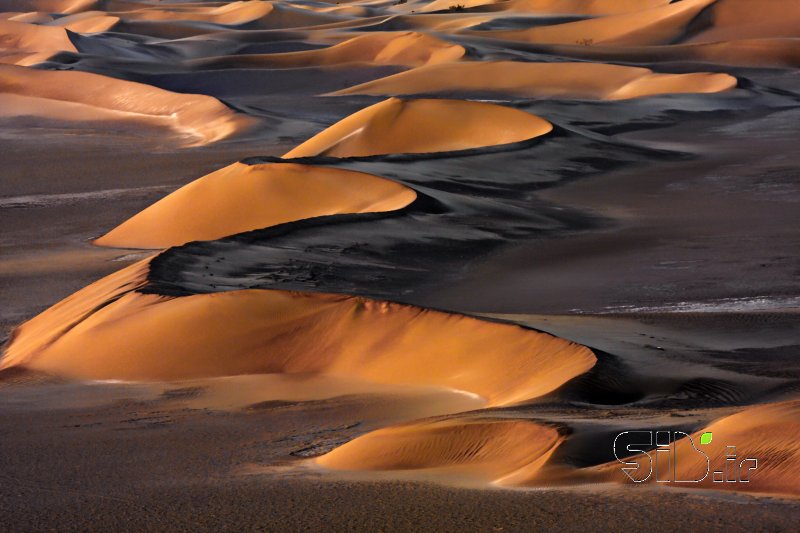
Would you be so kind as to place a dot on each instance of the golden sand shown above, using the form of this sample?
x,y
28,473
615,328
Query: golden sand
x,y
244,197
561,80
422,126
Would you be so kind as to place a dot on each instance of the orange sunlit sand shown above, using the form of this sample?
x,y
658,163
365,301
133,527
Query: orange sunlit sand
x,y
399,265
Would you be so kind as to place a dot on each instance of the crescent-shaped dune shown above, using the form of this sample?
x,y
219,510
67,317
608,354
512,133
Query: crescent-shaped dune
x,y
422,126
77,97
108,330
768,433
571,80
383,48
243,197
28,44
230,14
508,452
658,25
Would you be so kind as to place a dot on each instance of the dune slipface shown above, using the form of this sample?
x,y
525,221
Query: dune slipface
x,y
556,7
80,97
422,126
110,331
503,451
658,25
562,80
244,197
28,44
383,48
768,433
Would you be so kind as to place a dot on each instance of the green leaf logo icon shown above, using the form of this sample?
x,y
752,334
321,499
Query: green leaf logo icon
x,y
706,437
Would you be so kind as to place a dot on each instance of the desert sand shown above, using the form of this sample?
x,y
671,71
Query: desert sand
x,y
393,266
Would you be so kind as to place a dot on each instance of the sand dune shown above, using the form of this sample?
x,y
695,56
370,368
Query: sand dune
x,y
658,25
87,22
64,7
244,197
730,20
230,14
769,433
776,52
382,48
504,451
571,80
110,331
422,126
79,97
555,7
28,44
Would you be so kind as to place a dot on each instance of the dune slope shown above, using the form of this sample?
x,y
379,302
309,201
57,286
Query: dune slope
x,y
111,331
27,44
77,97
422,126
659,25
243,197
504,451
562,80
768,433
381,48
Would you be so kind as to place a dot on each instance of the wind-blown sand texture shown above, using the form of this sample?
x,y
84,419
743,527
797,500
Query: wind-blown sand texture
x,y
354,266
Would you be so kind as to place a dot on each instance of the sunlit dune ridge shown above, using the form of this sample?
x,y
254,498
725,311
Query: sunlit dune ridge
x,y
65,7
575,80
232,13
380,48
659,25
28,44
76,97
508,452
768,433
422,126
109,330
554,7
243,197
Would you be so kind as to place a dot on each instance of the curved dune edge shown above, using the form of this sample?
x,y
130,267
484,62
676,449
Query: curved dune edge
x,y
243,197
27,44
384,48
555,7
78,97
87,22
573,80
777,52
506,452
658,25
769,433
109,330
422,126
230,14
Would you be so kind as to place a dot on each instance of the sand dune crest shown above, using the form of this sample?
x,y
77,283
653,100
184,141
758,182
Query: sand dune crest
x,y
505,451
244,197
564,80
108,330
659,25
80,97
422,126
382,48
